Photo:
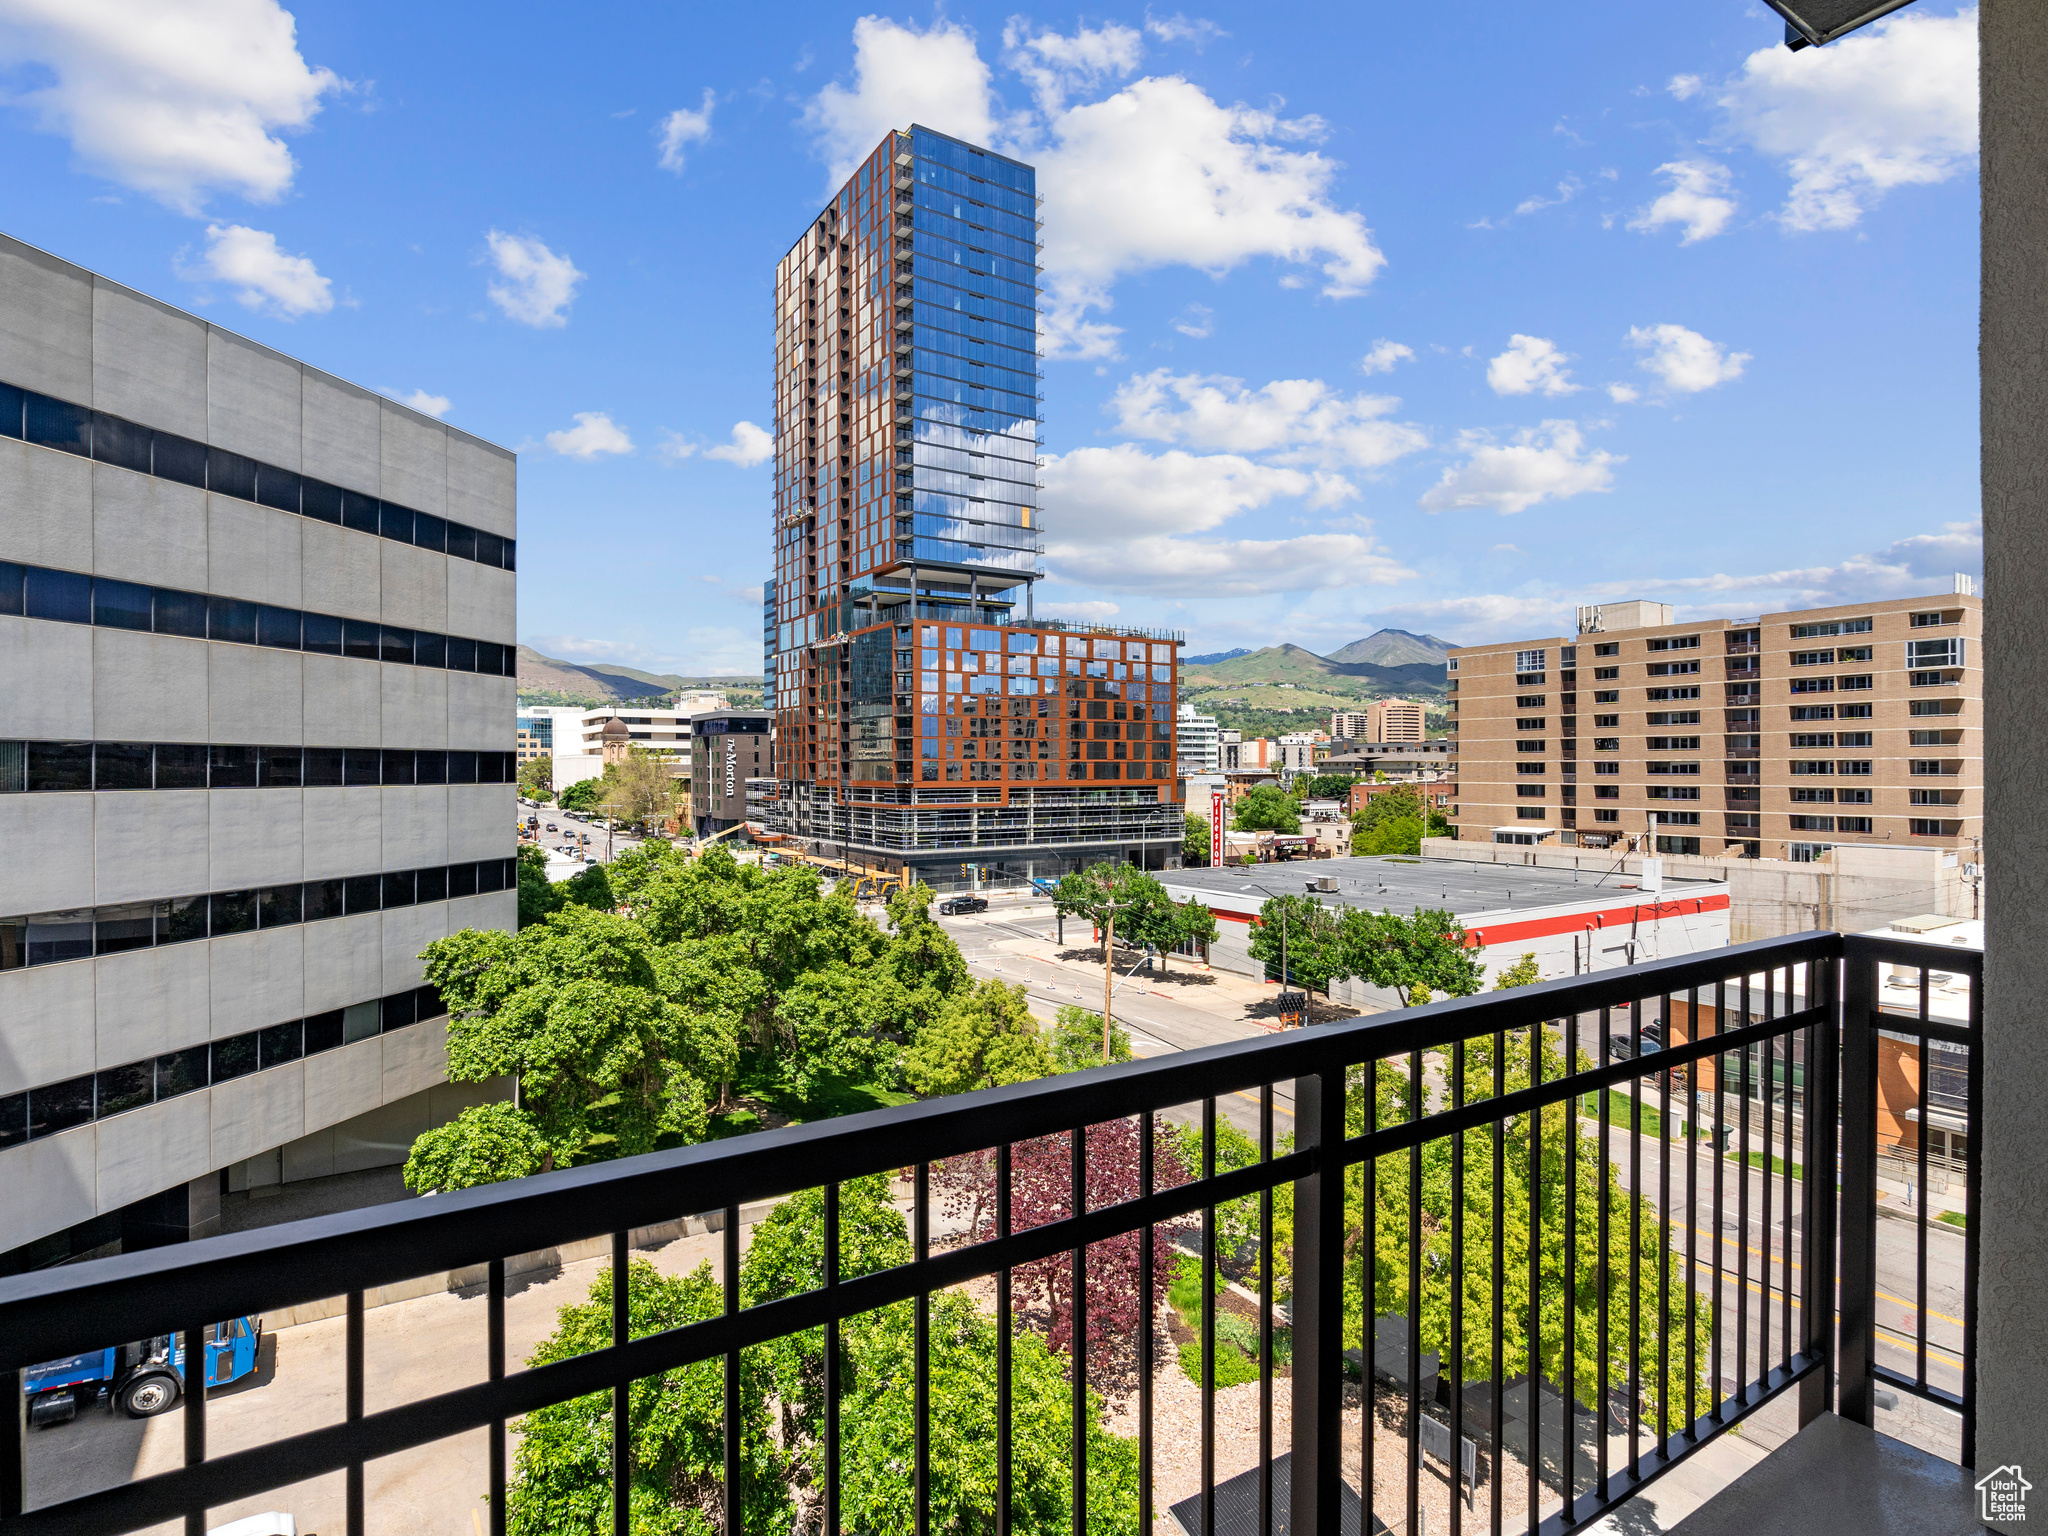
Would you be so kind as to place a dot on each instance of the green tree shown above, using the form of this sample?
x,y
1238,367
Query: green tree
x,y
1077,1039
983,1039
1330,786
1194,841
584,796
483,1144
1400,835
1307,937
537,895
537,776
1523,973
1267,808
1418,955
1395,823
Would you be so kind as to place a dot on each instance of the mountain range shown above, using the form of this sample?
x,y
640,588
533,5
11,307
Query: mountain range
x,y
609,680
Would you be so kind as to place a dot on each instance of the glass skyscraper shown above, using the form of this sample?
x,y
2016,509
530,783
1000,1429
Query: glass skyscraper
x,y
924,717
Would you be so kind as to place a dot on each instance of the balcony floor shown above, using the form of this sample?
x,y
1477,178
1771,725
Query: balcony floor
x,y
1835,1476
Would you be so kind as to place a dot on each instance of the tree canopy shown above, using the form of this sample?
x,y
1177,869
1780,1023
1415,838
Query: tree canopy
x,y
1266,808
1143,912
1194,841
1329,786
1396,823
1416,956
537,776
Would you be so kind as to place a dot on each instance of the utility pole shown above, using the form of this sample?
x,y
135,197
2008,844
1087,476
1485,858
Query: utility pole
x,y
1109,912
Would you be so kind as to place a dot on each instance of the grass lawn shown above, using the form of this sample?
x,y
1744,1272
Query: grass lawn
x,y
758,1089
1954,1218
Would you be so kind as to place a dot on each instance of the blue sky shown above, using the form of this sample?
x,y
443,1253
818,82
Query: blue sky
x,y
1355,316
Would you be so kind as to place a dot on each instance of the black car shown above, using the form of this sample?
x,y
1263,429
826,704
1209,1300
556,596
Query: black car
x,y
955,906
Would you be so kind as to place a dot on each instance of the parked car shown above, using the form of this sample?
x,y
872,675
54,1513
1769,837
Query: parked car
x,y
553,828
955,906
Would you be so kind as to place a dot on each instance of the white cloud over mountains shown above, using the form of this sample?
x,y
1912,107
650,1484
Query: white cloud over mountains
x,y
1157,173
1545,463
173,98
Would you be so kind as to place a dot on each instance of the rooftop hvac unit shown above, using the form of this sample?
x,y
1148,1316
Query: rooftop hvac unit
x,y
1326,882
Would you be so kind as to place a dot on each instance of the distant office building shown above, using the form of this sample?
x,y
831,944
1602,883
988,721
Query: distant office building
x,y
257,697
1199,741
580,740
1774,737
1350,724
1394,720
732,751
924,718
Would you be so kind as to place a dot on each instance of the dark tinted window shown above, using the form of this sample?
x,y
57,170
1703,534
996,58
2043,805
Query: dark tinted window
x,y
230,474
321,634
427,1004
429,532
123,765
319,499
282,767
323,900
396,522
278,627
461,880
180,613
323,766
365,765
56,936
490,657
281,1043
13,1106
397,767
131,925
184,918
398,1011
231,912
362,892
431,884
231,767
128,1087
359,512
180,765
234,1058
230,619
397,646
511,555
60,1106
62,595
461,767
120,604
490,876
10,410
323,1031
429,650
57,424
398,888
115,441
180,459
11,576
277,488
461,654
462,541
56,766
180,1072
430,767
361,640
280,906
490,549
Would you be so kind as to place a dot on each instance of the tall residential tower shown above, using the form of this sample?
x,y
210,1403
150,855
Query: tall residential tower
x,y
925,719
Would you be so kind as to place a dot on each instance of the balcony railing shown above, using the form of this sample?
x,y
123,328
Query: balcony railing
x,y
1598,1106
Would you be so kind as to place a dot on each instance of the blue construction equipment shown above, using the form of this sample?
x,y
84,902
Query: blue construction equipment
x,y
143,1378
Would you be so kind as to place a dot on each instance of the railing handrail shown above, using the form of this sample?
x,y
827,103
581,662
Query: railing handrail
x,y
53,1312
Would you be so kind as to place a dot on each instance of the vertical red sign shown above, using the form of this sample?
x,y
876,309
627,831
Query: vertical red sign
x,y
1216,829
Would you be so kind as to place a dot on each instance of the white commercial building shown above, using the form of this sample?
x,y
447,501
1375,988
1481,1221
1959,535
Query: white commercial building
x,y
1200,749
579,738
256,726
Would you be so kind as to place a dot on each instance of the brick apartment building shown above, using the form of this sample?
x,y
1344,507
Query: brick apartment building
x,y
1773,737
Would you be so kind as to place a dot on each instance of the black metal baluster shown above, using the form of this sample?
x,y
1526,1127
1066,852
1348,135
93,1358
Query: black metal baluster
x,y
1146,1323
1604,1188
1498,1215
494,1347
1570,1478
1973,1089
1208,1324
1692,1206
1368,1344
1920,1209
1742,1207
1265,1320
1664,1234
1635,1247
1078,1332
622,1439
352,1410
14,1448
1457,1288
1535,1336
195,1410
1413,1328
1005,1341
921,1407
1766,1205
1720,1208
1316,1474
735,1493
831,1258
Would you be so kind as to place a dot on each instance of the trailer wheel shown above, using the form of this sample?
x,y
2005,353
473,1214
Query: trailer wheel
x,y
147,1396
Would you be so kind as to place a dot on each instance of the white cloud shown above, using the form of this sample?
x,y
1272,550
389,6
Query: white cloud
x,y
1531,365
1919,565
1685,360
1123,520
1182,29
1080,612
175,98
421,401
1567,189
264,278
1384,355
1054,65
1892,105
1624,394
749,446
901,76
674,448
1685,87
682,128
594,436
536,285
1697,200
1546,463
1292,421
1198,321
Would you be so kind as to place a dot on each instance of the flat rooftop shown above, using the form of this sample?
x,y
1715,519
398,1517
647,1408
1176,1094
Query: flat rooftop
x,y
1393,883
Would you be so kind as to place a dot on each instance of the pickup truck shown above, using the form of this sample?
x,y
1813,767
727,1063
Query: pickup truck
x,y
143,1379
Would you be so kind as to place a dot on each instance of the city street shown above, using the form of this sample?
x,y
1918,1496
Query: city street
x,y
570,830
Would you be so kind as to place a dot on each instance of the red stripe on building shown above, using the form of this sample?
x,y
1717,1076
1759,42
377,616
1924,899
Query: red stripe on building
x,y
1578,922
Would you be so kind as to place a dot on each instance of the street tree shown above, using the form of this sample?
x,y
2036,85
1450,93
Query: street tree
x,y
1076,1042
483,1144
983,1038
1418,955
1267,808
1330,786
1305,937
640,787
537,895
537,777
1524,972
1194,841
